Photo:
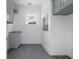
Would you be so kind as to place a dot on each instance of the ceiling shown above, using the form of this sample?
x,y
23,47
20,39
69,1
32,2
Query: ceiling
x,y
26,2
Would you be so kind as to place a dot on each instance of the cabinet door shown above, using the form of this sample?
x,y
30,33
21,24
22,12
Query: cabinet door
x,y
67,2
56,5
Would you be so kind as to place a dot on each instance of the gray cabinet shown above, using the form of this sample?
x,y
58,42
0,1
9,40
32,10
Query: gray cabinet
x,y
67,2
62,7
10,13
14,39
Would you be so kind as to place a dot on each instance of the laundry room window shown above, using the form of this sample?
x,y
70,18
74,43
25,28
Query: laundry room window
x,y
31,19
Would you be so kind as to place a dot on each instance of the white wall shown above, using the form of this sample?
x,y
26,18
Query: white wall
x,y
46,42
59,35
9,29
58,40
70,36
31,34
62,34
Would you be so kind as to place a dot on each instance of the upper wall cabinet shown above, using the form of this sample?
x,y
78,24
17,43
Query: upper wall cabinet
x,y
62,7
10,13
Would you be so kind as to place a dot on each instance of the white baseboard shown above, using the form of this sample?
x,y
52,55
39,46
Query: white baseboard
x,y
54,52
49,51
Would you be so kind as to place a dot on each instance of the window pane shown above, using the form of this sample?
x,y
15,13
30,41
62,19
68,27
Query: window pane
x,y
31,19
